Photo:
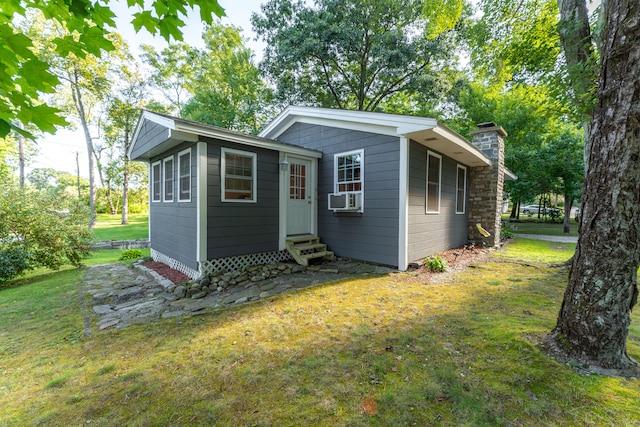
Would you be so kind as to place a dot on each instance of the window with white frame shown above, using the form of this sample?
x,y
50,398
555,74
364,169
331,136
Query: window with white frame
x,y
168,179
434,175
156,181
238,175
461,190
349,171
184,176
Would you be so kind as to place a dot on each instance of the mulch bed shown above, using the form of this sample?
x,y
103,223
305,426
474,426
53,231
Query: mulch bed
x,y
457,259
167,272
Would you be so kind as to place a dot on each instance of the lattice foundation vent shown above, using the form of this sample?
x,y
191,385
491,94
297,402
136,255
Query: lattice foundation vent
x,y
240,261
176,265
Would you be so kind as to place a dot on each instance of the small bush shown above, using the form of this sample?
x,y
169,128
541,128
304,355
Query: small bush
x,y
130,254
436,263
13,262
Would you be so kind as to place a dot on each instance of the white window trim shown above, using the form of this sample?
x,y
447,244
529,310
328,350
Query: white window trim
x,y
426,202
173,177
254,174
335,170
180,154
153,178
464,187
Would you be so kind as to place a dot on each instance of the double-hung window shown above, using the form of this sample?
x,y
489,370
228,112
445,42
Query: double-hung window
x,y
184,175
238,175
461,190
168,179
434,176
349,171
156,181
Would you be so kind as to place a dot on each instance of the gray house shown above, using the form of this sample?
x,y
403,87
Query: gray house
x,y
382,188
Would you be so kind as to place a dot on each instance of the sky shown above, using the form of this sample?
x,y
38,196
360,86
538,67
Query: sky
x,y
59,151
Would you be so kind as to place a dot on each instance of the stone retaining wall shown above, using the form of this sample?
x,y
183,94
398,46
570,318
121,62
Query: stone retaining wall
x,y
121,244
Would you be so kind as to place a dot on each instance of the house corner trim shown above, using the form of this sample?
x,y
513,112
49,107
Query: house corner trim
x,y
201,203
403,205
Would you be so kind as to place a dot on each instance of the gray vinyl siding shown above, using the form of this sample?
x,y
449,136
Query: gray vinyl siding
x,y
370,236
173,225
236,228
433,233
151,135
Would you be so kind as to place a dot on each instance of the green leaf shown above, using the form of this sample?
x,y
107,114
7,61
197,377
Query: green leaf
x,y
36,74
209,9
5,128
145,20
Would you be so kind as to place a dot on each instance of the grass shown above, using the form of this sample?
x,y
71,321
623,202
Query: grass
x,y
109,227
380,351
533,226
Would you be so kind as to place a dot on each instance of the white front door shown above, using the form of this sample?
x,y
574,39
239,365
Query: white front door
x,y
300,201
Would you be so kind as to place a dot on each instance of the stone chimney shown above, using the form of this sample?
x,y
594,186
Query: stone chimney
x,y
486,185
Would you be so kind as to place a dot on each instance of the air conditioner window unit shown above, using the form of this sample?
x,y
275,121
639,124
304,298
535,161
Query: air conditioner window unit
x,y
349,201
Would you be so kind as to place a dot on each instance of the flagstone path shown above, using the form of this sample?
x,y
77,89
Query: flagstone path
x,y
116,295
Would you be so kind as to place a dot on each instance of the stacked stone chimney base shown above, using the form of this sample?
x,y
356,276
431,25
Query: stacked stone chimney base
x,y
486,186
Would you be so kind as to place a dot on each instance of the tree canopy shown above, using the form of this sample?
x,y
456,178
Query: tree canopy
x,y
24,76
356,56
218,84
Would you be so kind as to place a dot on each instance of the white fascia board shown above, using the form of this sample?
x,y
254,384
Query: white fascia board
x,y
381,123
509,175
161,120
246,140
152,117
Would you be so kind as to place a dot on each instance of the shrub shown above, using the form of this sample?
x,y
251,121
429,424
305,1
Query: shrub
x,y
38,229
436,263
130,254
13,262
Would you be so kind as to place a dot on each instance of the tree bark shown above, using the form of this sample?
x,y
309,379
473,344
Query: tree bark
x,y
77,99
125,179
594,320
105,184
566,222
575,36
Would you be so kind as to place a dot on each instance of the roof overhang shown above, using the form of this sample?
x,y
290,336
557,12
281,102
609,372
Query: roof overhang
x,y
181,130
423,130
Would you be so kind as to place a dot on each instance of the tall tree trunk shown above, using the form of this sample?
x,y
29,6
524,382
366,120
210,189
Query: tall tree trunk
x,y
125,179
568,205
577,44
21,156
594,320
105,184
76,93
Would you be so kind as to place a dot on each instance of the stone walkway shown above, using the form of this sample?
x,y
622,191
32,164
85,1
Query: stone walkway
x,y
119,295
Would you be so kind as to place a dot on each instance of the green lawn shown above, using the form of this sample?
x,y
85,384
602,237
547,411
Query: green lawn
x,y
533,226
109,227
383,351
